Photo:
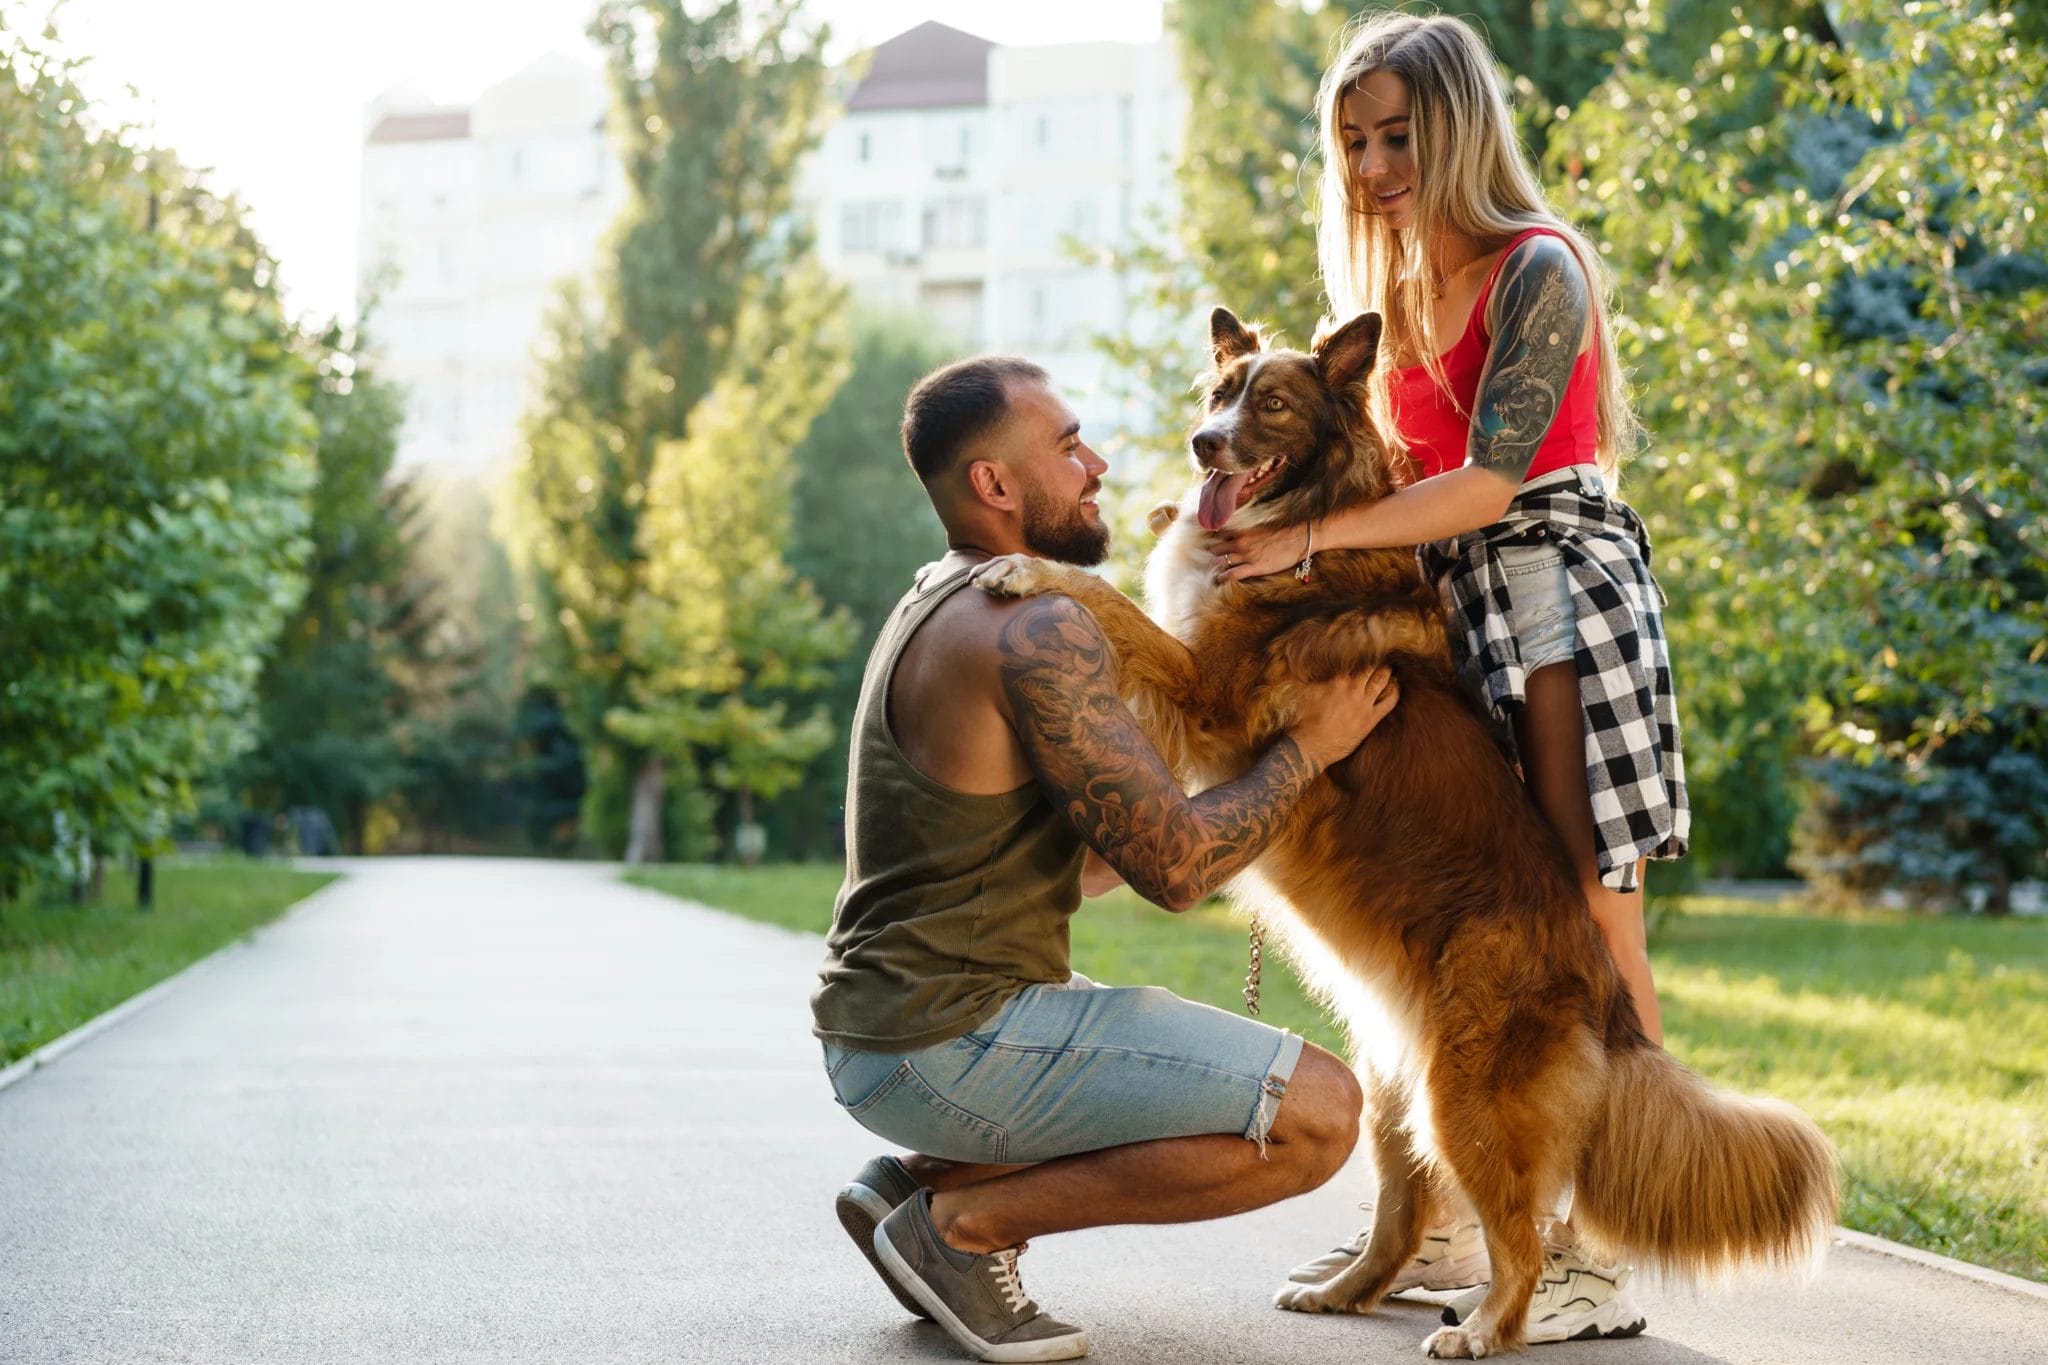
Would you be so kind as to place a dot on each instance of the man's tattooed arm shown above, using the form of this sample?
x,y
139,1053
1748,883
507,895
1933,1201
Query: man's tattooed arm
x,y
1538,313
1096,765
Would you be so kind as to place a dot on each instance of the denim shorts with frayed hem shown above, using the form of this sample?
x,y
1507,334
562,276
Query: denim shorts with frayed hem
x,y
1072,1068
1540,593
1539,587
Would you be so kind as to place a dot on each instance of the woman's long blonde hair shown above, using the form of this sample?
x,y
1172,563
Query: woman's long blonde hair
x,y
1472,178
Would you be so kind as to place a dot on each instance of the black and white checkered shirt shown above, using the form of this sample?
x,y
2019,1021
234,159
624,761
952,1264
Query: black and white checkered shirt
x,y
1633,765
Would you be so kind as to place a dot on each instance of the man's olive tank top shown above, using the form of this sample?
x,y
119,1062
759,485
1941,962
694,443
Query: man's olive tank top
x,y
952,902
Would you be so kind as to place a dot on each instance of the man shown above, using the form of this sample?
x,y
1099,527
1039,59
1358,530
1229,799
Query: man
x,y
990,756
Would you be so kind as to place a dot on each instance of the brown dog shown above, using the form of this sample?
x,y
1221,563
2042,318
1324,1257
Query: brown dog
x,y
1421,892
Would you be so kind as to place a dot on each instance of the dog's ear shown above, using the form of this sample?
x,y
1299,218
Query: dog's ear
x,y
1229,338
1347,354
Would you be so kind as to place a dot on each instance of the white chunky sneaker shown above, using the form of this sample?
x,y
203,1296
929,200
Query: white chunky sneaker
x,y
1575,1300
1453,1255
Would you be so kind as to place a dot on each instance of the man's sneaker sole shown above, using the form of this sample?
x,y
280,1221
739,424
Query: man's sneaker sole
x,y
905,1279
860,1210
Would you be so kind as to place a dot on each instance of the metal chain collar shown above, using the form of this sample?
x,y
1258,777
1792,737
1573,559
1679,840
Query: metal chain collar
x,y
1251,973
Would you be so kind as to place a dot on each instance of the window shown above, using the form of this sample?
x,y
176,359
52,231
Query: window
x,y
954,309
862,155
955,223
871,225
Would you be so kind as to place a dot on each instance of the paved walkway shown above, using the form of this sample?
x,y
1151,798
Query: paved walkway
x,y
458,1110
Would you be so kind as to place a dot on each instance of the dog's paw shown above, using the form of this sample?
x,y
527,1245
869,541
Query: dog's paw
x,y
1014,576
1162,517
1464,1342
1313,1298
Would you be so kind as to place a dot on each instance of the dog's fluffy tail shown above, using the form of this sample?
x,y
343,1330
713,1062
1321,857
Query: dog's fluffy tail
x,y
1701,1181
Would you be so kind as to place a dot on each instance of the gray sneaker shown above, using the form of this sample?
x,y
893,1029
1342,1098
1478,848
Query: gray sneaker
x,y
872,1195
978,1299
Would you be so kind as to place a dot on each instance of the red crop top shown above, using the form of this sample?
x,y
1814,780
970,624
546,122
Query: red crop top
x,y
1437,425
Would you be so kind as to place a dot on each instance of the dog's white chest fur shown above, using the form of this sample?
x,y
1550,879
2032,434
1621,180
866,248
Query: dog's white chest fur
x,y
1180,580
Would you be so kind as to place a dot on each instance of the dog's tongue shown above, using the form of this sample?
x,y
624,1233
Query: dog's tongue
x,y
1220,492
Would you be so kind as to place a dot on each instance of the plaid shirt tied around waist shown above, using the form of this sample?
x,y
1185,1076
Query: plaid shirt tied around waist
x,y
1634,769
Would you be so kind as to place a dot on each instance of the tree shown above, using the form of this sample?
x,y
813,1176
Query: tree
x,y
155,455
1242,230
1839,350
459,725
860,526
329,695
670,400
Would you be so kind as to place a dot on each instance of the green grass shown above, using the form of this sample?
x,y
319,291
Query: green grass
x,y
61,964
1919,1043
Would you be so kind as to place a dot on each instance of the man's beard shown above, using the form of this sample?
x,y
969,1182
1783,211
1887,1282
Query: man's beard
x,y
1060,533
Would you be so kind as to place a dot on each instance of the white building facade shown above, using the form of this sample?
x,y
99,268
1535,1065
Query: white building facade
x,y
471,217
969,183
955,189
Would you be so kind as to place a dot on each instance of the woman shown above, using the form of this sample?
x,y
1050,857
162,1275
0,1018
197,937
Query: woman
x,y
1498,376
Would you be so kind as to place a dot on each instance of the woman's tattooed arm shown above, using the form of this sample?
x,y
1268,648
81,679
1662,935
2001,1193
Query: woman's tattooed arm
x,y
1096,765
1538,310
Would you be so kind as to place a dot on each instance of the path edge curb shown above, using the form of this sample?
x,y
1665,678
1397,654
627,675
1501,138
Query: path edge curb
x,y
1997,1279
53,1051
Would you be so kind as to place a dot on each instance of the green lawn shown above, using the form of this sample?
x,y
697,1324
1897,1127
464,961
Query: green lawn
x,y
61,964
1919,1043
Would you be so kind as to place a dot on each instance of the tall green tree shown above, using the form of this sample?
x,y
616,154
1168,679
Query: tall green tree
x,y
330,698
1242,229
1839,350
860,526
155,455
673,393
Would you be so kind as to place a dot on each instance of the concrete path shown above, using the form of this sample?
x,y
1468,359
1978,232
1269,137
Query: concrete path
x,y
458,1110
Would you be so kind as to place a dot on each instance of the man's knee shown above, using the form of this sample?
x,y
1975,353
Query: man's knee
x,y
1318,1117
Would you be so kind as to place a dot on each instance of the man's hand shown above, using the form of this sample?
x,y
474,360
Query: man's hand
x,y
1337,715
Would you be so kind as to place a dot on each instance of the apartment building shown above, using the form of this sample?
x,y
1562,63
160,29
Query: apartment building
x,y
969,182
470,218
956,188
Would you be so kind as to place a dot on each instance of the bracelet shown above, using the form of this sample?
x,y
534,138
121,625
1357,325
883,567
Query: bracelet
x,y
1308,557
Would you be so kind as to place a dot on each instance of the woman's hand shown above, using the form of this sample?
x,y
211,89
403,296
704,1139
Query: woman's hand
x,y
1257,551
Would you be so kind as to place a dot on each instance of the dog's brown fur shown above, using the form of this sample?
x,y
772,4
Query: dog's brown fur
x,y
1424,894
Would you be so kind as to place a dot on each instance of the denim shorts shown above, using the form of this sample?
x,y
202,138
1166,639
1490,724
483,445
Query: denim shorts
x,y
1539,588
1073,1068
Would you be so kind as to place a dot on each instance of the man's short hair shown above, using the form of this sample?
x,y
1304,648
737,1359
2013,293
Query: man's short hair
x,y
952,408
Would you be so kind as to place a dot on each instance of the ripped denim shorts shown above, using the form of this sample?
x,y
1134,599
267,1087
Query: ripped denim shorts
x,y
1072,1068
1539,587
